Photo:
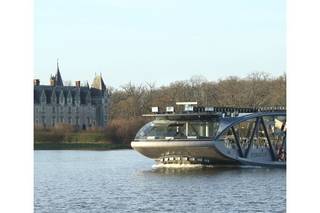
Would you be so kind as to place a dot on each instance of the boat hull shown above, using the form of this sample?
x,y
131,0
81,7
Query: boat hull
x,y
195,152
203,151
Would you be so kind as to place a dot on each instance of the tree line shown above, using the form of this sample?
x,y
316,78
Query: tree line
x,y
257,89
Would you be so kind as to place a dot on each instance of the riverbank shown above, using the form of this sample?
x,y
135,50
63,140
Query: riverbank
x,y
79,146
117,135
66,139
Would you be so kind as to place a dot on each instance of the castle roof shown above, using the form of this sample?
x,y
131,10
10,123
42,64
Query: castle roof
x,y
58,77
96,91
98,83
83,91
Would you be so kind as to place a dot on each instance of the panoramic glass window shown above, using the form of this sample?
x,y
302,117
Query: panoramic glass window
x,y
244,131
170,129
260,139
276,127
229,139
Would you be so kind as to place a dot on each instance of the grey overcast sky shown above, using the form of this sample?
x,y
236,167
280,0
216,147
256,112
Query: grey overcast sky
x,y
158,41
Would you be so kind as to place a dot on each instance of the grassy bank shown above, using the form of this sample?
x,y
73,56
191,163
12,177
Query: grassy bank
x,y
58,136
68,139
79,146
117,135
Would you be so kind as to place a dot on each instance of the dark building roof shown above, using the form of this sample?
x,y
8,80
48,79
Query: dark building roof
x,y
58,77
36,96
48,95
96,91
83,91
83,96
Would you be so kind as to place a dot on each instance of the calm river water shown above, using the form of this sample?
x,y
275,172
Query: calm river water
x,y
125,181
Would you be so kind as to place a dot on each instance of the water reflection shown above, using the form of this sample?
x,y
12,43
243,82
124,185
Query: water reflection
x,y
198,169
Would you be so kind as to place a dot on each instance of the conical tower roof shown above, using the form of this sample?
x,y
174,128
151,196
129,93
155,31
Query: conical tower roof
x,y
58,77
98,83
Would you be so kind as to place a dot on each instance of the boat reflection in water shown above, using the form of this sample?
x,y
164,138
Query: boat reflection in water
x,y
215,136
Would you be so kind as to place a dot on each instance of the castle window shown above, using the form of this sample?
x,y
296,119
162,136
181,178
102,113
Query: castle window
x,y
43,118
77,109
53,109
69,120
77,120
69,109
61,119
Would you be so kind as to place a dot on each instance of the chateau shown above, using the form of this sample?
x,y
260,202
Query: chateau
x,y
80,106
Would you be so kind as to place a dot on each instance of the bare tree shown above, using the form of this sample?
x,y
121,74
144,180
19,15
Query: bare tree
x,y
255,90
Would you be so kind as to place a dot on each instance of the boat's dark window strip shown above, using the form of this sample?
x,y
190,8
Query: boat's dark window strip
x,y
162,129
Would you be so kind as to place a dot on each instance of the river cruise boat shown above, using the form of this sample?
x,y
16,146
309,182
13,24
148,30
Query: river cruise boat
x,y
215,136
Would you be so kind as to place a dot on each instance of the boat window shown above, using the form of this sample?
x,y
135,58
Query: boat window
x,y
229,139
186,130
244,131
275,131
276,128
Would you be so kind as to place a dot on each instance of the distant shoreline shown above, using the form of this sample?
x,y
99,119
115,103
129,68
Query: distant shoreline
x,y
67,139
79,146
